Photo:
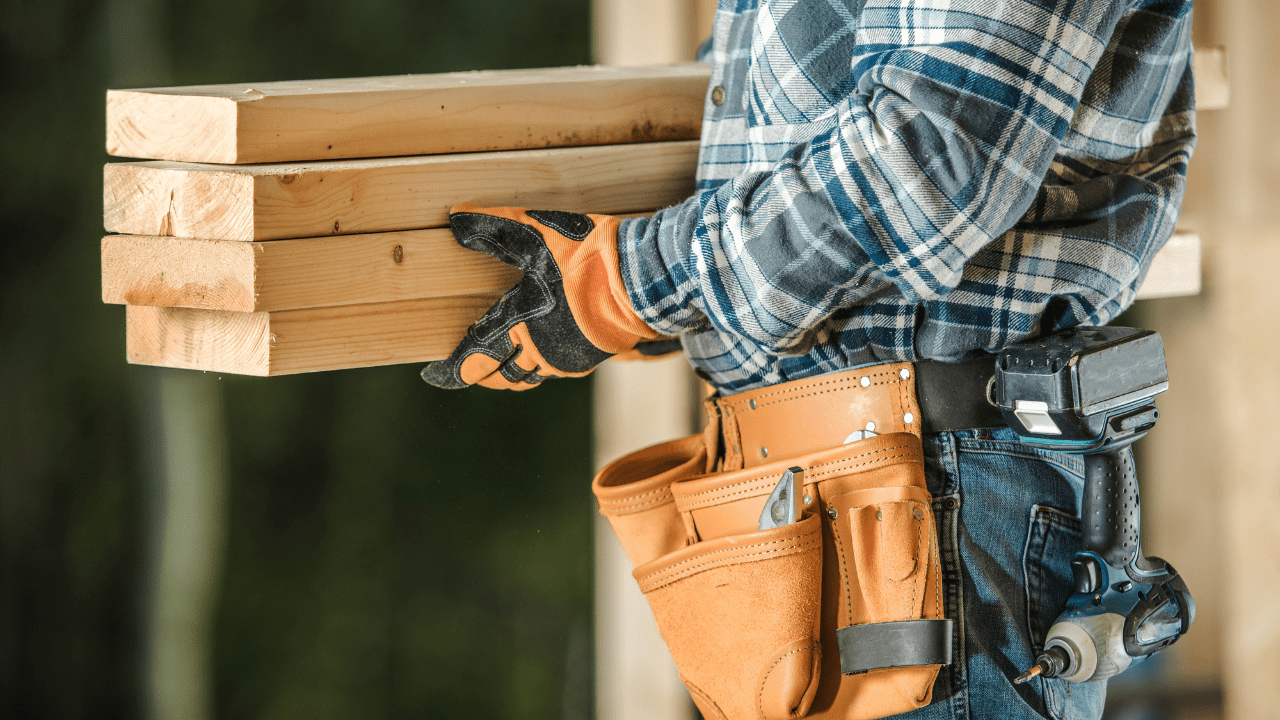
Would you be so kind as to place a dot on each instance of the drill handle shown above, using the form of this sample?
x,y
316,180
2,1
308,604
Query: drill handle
x,y
1112,518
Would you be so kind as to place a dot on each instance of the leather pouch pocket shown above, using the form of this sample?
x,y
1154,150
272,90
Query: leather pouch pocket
x,y
741,616
634,493
890,636
881,576
888,536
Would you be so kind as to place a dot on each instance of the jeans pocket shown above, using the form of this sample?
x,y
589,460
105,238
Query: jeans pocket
x,y
1053,539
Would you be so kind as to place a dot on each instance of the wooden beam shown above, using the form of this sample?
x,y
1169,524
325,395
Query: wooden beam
x,y
1175,270
408,114
291,274
267,202
286,341
298,273
296,341
384,267
1213,91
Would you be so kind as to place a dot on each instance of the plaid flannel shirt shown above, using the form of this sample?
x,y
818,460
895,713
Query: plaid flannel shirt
x,y
889,180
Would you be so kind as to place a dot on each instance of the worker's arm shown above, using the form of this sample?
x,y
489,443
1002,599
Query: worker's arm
x,y
951,120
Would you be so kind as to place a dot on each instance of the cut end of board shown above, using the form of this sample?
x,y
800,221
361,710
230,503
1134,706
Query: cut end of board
x,y
217,341
179,272
194,128
1175,270
171,200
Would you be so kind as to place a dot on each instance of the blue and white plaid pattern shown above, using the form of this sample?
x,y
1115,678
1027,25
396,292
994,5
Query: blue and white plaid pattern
x,y
898,180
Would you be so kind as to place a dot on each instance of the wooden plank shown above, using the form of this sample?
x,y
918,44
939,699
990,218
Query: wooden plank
x,y
358,269
296,341
1213,91
408,114
291,274
1175,270
381,333
267,202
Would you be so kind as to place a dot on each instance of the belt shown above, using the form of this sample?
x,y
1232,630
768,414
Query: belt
x,y
812,414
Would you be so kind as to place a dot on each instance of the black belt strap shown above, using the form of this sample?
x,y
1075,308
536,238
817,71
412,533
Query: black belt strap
x,y
894,644
953,396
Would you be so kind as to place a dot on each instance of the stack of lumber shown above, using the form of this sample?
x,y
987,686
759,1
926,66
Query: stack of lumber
x,y
294,227
302,226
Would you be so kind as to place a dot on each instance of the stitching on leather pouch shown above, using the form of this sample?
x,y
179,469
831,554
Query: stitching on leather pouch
x,y
760,699
837,471
635,506
695,690
718,498
667,580
630,498
821,392
915,586
629,502
812,467
902,401
937,565
884,487
735,408
815,478
793,538
844,573
693,570
840,381
795,542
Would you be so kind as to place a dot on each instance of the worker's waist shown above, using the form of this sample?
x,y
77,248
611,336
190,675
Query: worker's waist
x,y
812,414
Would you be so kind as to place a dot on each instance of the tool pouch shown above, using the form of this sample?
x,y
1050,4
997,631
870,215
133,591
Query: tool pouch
x,y
837,615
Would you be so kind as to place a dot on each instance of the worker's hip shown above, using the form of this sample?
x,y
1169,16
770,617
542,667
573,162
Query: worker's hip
x,y
851,610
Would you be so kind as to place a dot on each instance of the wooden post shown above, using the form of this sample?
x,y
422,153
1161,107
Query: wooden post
x,y
1212,479
638,404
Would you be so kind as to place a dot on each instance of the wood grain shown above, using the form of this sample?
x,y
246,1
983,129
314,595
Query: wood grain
x,y
267,202
296,341
291,274
408,115
359,269
282,342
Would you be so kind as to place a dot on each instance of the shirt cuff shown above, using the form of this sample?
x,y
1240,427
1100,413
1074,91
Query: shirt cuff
x,y
651,257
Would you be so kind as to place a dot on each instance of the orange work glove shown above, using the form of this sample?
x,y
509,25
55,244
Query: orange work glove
x,y
568,314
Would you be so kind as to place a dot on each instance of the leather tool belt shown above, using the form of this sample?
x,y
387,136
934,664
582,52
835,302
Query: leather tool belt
x,y
837,615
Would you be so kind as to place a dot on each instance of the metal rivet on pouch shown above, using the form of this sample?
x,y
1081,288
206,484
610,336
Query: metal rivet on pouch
x,y
764,452
832,512
879,515
752,404
908,418
952,504
866,381
808,499
917,514
871,427
904,373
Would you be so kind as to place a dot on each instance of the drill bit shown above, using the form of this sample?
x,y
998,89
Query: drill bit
x,y
1034,671
1051,663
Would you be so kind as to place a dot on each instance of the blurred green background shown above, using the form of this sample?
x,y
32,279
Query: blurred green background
x,y
373,547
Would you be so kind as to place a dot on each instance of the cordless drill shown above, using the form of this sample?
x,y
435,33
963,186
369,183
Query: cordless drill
x,y
1089,391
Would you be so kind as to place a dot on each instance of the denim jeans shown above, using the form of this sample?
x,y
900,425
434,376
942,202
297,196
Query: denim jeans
x,y
1008,526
